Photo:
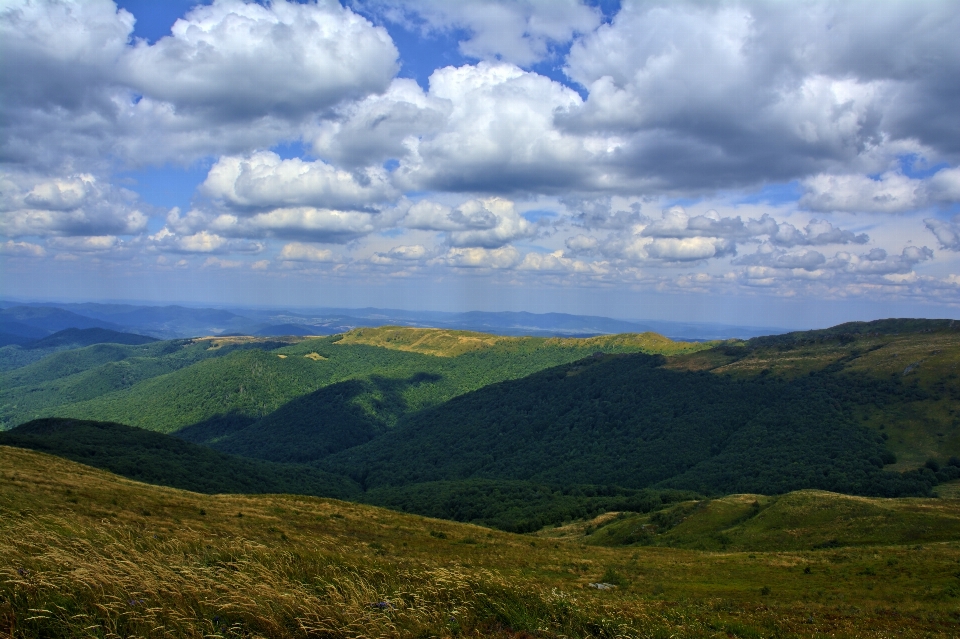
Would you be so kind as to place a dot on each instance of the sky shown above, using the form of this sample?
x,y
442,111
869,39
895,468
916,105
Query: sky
x,y
787,164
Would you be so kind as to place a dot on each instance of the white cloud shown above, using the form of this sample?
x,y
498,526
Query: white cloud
x,y
381,126
431,216
877,262
299,223
200,242
944,185
679,236
774,262
582,243
300,252
263,181
522,32
499,136
723,95
242,59
557,262
500,258
21,249
488,223
689,249
948,233
891,193
232,76
74,205
769,256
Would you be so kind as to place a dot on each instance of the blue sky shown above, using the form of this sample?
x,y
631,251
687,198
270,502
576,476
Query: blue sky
x,y
790,164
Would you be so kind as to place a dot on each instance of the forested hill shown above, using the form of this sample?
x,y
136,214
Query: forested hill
x,y
627,420
516,432
160,459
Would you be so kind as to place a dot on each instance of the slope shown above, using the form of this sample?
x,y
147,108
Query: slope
x,y
803,520
84,553
627,420
168,461
242,380
923,354
71,376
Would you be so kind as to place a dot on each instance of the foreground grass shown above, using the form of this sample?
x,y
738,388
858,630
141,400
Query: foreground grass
x,y
85,553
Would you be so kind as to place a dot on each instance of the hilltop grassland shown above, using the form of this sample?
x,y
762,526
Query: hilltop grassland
x,y
84,553
450,343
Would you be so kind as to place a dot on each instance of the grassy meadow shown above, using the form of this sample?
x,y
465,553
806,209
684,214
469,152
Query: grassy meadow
x,y
86,553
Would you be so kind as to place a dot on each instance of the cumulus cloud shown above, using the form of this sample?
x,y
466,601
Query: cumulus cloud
x,y
241,59
207,230
522,32
75,205
768,259
264,181
948,233
315,225
21,249
300,252
877,262
381,126
891,193
500,258
689,249
232,76
714,96
675,223
487,223
500,136
582,243
200,242
557,262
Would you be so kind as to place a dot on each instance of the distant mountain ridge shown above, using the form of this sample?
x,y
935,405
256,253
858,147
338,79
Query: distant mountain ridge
x,y
174,321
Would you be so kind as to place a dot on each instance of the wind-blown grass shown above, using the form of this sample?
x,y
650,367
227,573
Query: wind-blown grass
x,y
84,553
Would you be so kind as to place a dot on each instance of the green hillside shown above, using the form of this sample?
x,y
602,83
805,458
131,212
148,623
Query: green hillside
x,y
224,385
165,460
76,376
921,354
627,420
804,520
435,421
84,553
160,459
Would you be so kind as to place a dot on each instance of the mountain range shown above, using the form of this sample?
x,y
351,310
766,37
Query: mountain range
x,y
22,322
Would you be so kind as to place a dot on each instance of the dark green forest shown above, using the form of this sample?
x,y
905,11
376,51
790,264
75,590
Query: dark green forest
x,y
155,458
627,421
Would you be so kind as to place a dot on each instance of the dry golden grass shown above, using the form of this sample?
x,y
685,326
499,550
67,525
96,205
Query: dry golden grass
x,y
216,343
86,554
448,343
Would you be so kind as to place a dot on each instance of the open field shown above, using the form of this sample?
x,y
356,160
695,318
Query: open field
x,y
85,553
